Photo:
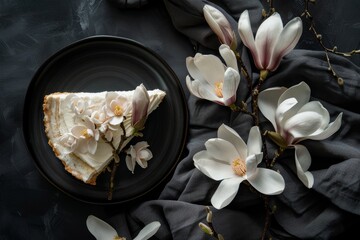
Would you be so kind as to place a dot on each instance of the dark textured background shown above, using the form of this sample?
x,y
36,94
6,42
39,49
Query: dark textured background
x,y
31,31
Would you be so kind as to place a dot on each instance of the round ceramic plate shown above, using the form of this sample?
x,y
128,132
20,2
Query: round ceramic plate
x,y
105,63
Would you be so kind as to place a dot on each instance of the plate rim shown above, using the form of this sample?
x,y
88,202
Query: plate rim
x,y
26,132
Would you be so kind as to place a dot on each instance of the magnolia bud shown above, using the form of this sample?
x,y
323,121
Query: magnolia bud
x,y
277,139
206,229
220,25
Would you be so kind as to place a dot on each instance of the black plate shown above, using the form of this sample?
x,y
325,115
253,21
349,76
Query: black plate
x,y
105,63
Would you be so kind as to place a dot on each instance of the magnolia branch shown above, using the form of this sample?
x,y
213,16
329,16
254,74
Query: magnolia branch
x,y
327,50
271,9
116,161
209,227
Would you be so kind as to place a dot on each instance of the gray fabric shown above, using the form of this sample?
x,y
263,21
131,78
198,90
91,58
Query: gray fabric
x,y
31,208
329,209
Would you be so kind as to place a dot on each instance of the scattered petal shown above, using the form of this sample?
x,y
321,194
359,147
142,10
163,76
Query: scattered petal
x,y
100,229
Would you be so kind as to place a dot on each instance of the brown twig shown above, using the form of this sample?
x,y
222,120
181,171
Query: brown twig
x,y
255,96
243,70
116,161
209,227
271,9
306,13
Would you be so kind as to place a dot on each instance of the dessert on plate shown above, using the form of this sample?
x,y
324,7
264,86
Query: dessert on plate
x,y
87,130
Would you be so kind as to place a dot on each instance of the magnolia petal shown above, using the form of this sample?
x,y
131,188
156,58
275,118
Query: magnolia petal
x,y
268,102
299,91
100,229
193,86
316,106
145,154
221,149
148,231
230,85
254,142
251,165
283,111
77,130
266,38
226,192
92,146
230,135
130,163
229,56
330,130
211,68
207,92
141,145
88,123
142,163
82,146
286,42
211,167
268,182
303,162
192,69
116,120
303,124
110,96
247,37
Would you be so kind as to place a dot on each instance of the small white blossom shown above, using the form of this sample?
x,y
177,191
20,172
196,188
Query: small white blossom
x,y
87,136
70,142
116,108
79,105
138,153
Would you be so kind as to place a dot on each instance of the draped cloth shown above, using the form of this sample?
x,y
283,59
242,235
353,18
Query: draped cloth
x,y
31,208
329,210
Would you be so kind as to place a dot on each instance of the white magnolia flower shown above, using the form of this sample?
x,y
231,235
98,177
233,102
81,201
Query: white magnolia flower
x,y
138,153
220,25
116,108
79,105
140,105
99,116
69,141
87,136
295,119
230,160
272,41
213,80
101,230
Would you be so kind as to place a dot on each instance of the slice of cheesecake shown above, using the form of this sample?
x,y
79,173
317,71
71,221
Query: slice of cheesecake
x,y
85,130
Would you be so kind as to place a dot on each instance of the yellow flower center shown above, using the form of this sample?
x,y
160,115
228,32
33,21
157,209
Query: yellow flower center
x,y
85,133
119,238
118,111
239,167
218,89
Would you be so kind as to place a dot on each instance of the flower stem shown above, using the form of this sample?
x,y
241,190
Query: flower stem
x,y
267,218
255,95
244,71
276,155
112,176
209,227
116,161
